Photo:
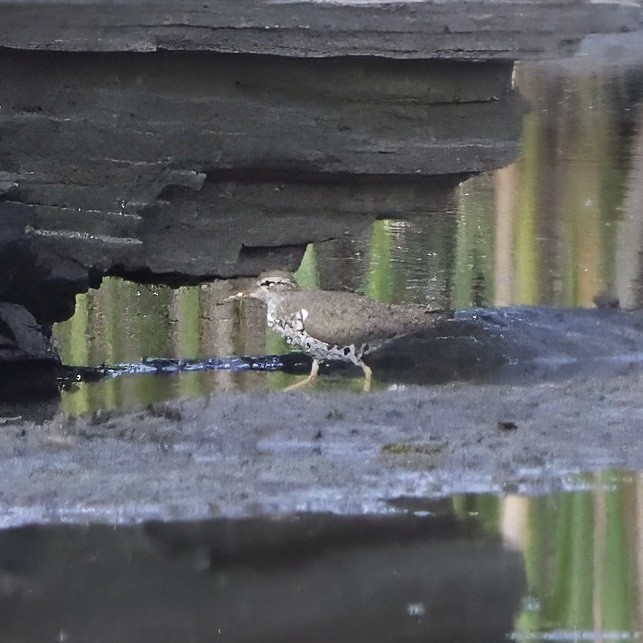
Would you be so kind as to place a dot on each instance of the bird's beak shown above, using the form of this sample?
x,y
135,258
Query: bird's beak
x,y
235,297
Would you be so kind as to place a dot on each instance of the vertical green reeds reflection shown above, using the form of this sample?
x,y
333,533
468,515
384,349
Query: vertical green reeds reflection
x,y
562,207
187,318
381,277
580,551
307,275
411,261
120,322
589,130
580,560
137,325
474,252
188,321
572,590
75,344
617,555
485,508
527,258
571,185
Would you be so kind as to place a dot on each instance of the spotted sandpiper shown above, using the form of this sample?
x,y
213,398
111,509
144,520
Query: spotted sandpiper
x,y
333,325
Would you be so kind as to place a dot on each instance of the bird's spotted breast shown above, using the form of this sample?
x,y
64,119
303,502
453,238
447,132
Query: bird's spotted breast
x,y
293,330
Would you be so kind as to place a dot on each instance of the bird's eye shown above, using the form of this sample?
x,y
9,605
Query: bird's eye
x,y
273,281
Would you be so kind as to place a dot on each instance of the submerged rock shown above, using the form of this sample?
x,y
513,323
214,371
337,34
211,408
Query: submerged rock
x,y
28,361
515,344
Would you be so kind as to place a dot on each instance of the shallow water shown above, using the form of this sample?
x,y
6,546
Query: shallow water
x,y
563,567
558,227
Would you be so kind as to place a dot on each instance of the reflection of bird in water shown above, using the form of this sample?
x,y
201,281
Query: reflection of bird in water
x,y
333,325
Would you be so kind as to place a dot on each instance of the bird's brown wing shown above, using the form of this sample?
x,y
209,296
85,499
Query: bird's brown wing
x,y
347,318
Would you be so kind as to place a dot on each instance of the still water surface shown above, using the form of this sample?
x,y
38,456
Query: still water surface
x,y
560,226
565,567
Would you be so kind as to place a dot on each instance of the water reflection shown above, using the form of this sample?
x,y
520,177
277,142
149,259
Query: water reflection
x,y
583,562
572,191
471,568
559,227
556,228
308,578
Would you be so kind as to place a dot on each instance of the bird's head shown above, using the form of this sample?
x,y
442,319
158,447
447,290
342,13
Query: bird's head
x,y
268,283
277,281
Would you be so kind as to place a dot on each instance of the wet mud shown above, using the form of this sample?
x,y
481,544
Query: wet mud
x,y
240,455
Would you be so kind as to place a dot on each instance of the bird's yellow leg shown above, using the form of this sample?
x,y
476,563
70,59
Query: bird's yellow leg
x,y
368,377
314,373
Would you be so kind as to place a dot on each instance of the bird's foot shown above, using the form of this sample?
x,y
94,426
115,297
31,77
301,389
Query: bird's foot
x,y
314,373
368,378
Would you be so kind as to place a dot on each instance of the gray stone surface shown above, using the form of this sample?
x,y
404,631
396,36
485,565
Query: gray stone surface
x,y
190,166
466,30
514,345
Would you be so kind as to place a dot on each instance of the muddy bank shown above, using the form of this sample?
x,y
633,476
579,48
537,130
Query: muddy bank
x,y
551,392
275,454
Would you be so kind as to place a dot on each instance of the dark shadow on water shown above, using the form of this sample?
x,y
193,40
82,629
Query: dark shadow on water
x,y
305,578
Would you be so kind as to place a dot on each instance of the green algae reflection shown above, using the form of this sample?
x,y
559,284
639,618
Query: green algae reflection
x,y
583,560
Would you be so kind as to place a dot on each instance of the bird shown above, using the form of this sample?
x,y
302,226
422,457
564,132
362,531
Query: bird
x,y
333,325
